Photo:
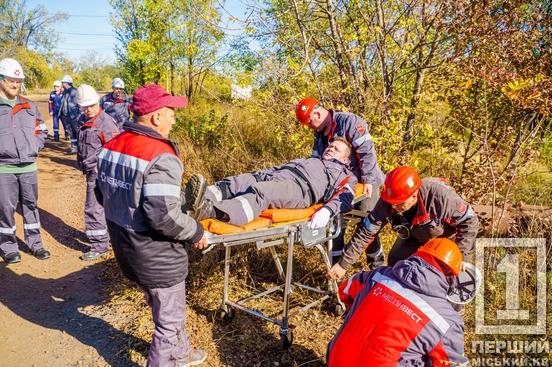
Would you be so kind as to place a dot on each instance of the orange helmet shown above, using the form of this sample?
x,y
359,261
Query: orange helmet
x,y
445,251
400,184
304,109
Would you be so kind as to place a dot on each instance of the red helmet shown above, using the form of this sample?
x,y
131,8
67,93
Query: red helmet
x,y
445,251
304,109
400,184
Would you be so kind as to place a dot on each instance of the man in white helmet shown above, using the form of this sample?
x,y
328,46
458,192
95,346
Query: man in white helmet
x,y
54,105
117,104
22,134
97,128
69,110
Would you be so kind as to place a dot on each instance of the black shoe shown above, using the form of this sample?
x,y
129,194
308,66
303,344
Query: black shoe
x,y
374,263
12,258
92,255
41,254
194,193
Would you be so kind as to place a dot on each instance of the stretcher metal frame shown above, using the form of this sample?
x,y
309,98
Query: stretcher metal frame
x,y
268,238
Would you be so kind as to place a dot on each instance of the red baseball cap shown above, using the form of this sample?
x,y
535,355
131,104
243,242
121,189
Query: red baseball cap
x,y
152,97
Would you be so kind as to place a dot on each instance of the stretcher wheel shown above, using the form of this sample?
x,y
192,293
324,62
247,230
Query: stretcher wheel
x,y
226,316
286,340
339,310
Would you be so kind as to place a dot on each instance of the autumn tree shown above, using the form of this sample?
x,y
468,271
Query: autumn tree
x,y
27,28
170,41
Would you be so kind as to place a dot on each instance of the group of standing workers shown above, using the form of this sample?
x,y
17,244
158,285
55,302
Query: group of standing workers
x,y
133,201
88,122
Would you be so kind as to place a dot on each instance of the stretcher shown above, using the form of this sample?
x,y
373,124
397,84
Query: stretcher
x,y
287,234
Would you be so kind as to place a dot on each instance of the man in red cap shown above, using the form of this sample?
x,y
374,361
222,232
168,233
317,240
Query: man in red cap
x,y
139,175
417,210
328,124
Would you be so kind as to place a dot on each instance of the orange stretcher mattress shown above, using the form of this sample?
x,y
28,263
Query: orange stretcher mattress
x,y
269,217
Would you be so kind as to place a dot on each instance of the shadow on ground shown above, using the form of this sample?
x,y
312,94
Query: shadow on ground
x,y
63,233
245,340
57,304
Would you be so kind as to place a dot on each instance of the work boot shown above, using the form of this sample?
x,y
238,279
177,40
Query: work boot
x,y
375,262
12,258
41,254
92,255
194,193
205,210
197,356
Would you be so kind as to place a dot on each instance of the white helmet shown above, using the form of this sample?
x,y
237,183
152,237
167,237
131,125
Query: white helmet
x,y
67,79
86,95
466,285
118,83
57,83
11,68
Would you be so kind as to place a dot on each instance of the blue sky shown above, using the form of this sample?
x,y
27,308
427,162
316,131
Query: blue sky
x,y
88,26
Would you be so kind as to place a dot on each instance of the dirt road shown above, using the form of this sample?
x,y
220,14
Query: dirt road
x,y
51,311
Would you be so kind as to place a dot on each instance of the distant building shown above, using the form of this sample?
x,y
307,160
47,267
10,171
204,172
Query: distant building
x,y
241,92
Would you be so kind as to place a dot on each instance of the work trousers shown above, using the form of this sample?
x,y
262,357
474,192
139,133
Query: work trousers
x,y
19,189
374,251
231,187
170,343
56,122
73,125
246,198
94,217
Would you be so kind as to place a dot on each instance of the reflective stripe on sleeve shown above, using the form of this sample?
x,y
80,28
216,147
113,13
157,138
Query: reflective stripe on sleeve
x,y
96,232
349,283
7,230
31,225
413,298
161,190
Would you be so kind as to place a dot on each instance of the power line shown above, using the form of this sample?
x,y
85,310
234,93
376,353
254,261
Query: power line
x,y
83,49
86,16
89,34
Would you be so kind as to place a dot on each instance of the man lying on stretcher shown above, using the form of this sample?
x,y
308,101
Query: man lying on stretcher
x,y
299,183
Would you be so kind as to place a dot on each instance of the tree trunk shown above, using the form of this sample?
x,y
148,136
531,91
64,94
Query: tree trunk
x,y
382,55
